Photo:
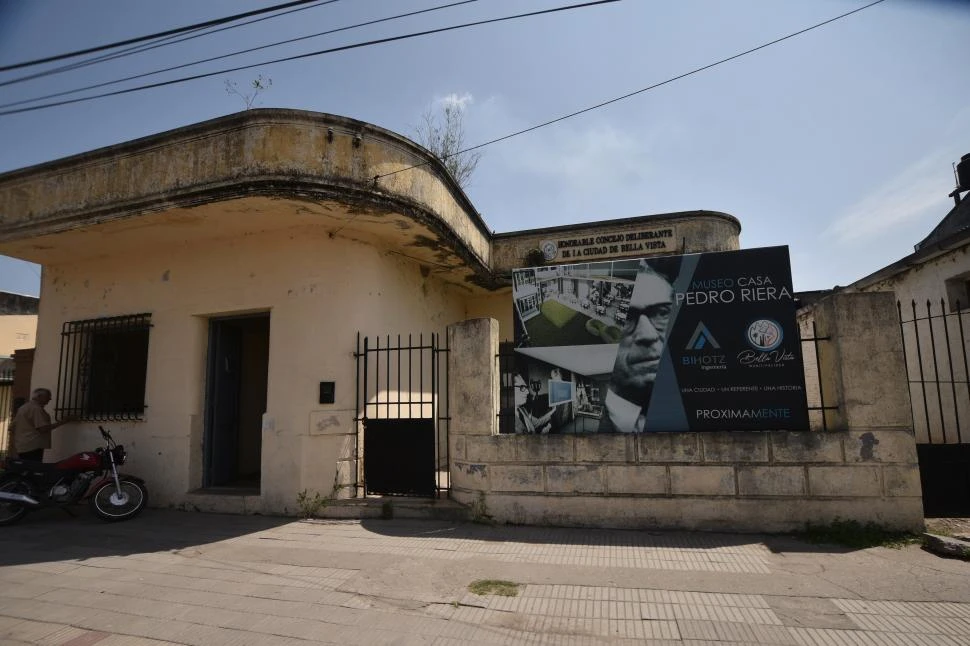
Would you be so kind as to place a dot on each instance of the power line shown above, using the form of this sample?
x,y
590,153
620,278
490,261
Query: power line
x,y
635,92
138,49
243,51
141,39
307,55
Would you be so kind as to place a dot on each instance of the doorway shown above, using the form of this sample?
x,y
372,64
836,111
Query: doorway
x,y
237,377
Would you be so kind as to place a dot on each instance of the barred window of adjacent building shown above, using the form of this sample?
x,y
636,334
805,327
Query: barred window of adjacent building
x,y
103,367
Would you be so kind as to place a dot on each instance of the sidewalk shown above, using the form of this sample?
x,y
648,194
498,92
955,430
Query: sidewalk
x,y
208,580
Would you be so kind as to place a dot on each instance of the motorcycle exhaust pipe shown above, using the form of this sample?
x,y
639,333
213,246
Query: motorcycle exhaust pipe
x,y
18,497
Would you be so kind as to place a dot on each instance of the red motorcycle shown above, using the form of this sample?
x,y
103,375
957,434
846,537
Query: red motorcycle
x,y
92,476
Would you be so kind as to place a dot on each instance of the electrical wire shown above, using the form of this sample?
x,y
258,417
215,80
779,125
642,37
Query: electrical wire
x,y
138,49
634,93
141,39
243,51
306,55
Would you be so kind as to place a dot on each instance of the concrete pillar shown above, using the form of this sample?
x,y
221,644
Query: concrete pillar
x,y
862,367
473,377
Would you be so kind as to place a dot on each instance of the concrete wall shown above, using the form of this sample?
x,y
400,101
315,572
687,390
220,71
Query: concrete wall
x,y
864,469
319,292
740,481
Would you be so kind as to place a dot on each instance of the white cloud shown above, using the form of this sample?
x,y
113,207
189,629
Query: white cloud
x,y
586,160
917,193
460,101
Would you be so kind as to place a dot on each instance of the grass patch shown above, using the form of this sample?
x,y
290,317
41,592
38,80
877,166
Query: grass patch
x,y
494,586
557,313
851,533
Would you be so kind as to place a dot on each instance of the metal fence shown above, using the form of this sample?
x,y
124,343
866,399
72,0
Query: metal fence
x,y
403,398
938,369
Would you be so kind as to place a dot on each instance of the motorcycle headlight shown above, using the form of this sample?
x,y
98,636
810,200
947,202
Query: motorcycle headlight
x,y
119,454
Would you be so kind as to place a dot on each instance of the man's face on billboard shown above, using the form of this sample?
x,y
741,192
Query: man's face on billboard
x,y
638,355
521,390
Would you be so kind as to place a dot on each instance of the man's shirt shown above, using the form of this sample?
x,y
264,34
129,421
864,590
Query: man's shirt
x,y
29,417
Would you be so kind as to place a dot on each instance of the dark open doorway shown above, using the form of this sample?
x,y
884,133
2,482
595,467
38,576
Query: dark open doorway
x,y
235,401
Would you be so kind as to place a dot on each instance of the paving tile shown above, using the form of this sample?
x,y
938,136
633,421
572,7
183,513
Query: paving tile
x,y
833,637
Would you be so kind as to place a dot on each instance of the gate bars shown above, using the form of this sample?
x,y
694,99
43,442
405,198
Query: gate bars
x,y
6,408
939,375
405,380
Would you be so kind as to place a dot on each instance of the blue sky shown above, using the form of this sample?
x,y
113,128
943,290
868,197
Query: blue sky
x,y
838,142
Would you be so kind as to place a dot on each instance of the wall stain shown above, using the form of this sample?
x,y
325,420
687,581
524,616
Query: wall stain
x,y
869,441
327,422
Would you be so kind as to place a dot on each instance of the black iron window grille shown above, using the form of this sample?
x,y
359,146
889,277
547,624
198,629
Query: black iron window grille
x,y
103,367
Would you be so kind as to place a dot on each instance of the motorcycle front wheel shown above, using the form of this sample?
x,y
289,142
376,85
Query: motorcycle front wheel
x,y
109,505
10,511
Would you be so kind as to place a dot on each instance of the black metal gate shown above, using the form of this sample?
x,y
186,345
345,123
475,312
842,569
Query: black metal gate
x,y
935,347
6,405
402,402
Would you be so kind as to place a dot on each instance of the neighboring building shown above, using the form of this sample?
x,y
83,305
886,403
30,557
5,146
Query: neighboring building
x,y
205,292
932,286
18,322
18,329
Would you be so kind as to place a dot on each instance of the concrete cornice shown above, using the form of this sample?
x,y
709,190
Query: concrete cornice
x,y
357,179
647,220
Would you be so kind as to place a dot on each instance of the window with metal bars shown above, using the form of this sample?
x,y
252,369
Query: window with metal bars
x,y
103,366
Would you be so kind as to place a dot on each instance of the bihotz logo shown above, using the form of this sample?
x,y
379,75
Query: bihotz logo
x,y
765,336
702,340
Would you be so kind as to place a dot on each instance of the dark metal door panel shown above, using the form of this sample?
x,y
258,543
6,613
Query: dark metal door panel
x,y
223,431
945,477
399,456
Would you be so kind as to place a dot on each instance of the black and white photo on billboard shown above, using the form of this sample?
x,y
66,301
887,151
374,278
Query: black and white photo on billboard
x,y
672,343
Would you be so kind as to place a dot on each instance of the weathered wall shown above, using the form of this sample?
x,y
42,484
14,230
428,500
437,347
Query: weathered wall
x,y
496,306
865,468
319,292
291,154
691,232
741,481
17,304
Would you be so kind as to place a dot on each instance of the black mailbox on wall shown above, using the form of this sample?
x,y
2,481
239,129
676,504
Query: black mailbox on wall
x,y
327,389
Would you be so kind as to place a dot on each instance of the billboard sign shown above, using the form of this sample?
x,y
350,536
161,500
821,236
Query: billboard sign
x,y
673,343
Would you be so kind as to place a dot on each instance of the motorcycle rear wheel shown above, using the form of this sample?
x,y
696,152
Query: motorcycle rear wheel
x,y
11,512
109,506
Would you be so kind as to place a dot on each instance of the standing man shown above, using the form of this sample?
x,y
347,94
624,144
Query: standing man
x,y
639,352
33,426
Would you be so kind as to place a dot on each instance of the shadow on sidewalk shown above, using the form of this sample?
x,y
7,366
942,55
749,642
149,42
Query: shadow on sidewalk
x,y
51,534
